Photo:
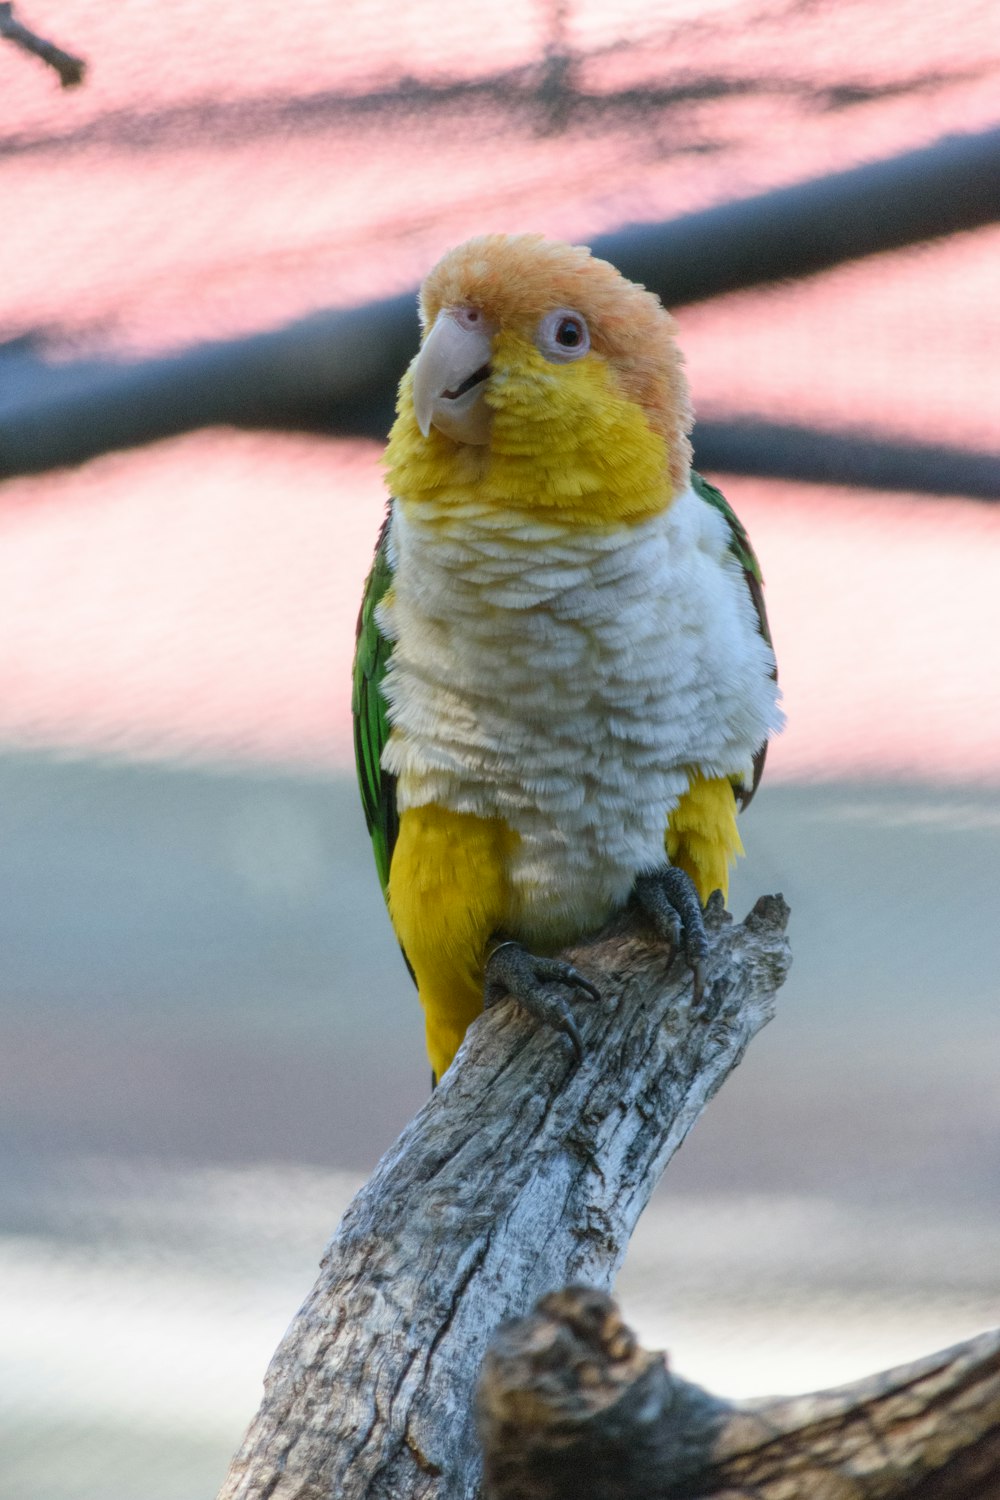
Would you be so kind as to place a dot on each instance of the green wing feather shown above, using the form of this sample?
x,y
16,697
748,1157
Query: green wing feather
x,y
371,724
739,544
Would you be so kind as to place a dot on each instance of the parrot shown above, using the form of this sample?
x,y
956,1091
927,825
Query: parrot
x,y
564,681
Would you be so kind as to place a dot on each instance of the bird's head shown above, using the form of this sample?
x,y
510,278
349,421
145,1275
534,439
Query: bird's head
x,y
547,380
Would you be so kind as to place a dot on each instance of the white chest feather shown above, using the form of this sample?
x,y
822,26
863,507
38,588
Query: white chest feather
x,y
566,679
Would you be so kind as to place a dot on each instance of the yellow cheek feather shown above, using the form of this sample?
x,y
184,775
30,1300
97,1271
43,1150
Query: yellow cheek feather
x,y
447,896
702,837
565,445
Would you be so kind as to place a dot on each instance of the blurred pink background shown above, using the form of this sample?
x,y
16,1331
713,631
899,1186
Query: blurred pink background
x,y
211,177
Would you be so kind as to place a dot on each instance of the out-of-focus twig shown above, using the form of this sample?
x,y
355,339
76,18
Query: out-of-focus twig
x,y
71,70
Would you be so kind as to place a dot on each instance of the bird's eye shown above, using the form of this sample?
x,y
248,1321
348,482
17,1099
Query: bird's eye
x,y
468,317
563,335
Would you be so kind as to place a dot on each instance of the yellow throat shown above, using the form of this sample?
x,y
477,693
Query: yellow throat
x,y
565,446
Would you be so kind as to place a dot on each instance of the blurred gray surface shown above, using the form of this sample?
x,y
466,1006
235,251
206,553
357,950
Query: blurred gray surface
x,y
209,1037
198,966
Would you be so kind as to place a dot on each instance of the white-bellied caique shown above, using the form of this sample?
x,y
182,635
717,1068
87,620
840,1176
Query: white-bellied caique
x,y
564,682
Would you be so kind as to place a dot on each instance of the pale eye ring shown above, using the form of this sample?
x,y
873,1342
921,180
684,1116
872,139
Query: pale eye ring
x,y
563,335
469,317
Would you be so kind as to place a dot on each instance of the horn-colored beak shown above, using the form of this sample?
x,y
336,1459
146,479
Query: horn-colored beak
x,y
449,379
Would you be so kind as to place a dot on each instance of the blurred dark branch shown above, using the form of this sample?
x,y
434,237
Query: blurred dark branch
x,y
570,1405
336,372
780,450
333,372
796,231
71,69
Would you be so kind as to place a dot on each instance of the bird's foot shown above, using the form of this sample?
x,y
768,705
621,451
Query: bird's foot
x,y
536,983
669,898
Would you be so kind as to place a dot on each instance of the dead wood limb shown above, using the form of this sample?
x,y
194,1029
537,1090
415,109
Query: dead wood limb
x,y
570,1407
522,1172
71,70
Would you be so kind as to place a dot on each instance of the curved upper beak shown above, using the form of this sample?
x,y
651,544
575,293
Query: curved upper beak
x,y
449,379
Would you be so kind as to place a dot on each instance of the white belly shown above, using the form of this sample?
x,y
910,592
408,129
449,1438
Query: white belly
x,y
566,680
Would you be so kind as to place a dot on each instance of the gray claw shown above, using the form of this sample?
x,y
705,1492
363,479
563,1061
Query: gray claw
x,y
669,898
512,971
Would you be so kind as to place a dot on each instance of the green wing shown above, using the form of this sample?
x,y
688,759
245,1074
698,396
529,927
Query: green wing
x,y
739,543
371,725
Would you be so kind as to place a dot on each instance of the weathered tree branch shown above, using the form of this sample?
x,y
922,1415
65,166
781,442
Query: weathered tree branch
x,y
521,1173
570,1407
71,70
337,371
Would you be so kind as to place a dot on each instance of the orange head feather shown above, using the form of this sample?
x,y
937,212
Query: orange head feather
x,y
516,279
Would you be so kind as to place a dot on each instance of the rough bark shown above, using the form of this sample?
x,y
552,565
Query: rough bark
x,y
523,1171
570,1407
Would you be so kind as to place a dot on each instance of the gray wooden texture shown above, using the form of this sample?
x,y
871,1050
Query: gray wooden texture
x,y
523,1172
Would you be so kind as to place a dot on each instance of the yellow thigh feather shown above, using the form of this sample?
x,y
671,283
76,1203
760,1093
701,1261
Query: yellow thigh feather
x,y
448,894
702,837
